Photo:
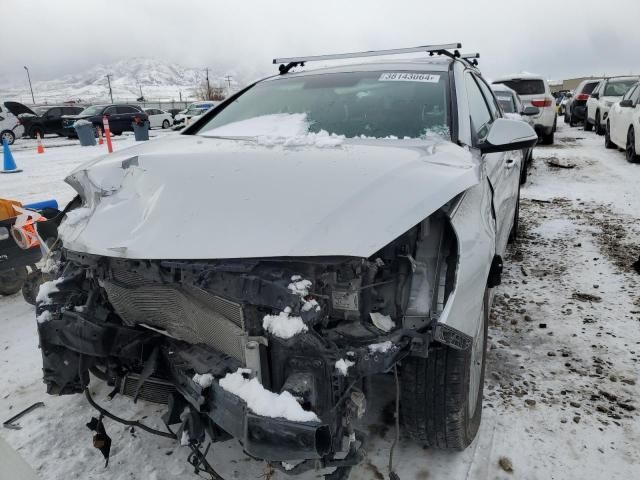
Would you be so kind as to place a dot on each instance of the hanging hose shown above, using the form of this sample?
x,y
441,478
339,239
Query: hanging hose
x,y
132,423
392,474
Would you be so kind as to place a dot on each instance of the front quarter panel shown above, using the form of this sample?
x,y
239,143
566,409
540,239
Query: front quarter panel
x,y
473,224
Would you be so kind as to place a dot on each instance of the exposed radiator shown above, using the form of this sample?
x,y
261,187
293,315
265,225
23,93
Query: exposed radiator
x,y
185,313
154,389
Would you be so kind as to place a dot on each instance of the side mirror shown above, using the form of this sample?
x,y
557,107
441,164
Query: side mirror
x,y
530,110
4,233
595,95
626,103
506,135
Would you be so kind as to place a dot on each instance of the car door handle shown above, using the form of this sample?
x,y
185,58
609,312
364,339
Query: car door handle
x,y
510,163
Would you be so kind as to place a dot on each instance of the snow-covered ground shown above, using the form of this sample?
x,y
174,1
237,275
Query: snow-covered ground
x,y
564,350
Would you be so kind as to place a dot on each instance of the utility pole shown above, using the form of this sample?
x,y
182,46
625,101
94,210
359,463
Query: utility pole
x,y
228,78
208,86
109,75
30,87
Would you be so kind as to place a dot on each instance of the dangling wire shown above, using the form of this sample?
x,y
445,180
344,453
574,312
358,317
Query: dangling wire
x,y
392,474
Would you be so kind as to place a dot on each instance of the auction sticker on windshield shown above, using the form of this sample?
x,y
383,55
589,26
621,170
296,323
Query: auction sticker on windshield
x,y
408,77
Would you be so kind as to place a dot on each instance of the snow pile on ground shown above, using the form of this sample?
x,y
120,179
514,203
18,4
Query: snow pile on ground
x,y
282,325
46,289
383,347
44,317
76,216
205,380
287,129
263,402
343,366
383,322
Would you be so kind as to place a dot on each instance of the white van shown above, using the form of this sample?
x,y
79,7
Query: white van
x,y
10,126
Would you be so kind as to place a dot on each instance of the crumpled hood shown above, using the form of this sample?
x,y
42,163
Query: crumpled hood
x,y
190,197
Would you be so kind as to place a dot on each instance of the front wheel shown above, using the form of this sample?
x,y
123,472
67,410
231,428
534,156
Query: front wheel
x,y
9,136
599,129
630,151
166,124
441,395
607,137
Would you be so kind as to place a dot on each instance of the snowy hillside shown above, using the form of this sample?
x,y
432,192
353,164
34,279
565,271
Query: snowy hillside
x,y
158,80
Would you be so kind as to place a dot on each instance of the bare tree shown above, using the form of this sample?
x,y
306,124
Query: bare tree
x,y
205,91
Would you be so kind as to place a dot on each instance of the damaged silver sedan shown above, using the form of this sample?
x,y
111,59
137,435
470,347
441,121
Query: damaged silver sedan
x,y
316,229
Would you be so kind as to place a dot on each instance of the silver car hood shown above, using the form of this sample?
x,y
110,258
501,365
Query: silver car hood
x,y
191,197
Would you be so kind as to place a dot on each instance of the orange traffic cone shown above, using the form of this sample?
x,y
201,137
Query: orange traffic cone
x,y
100,140
39,143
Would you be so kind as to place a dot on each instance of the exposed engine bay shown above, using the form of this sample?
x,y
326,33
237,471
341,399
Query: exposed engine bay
x,y
210,338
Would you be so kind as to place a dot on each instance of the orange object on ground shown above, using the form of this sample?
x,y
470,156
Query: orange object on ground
x,y
107,133
39,143
7,208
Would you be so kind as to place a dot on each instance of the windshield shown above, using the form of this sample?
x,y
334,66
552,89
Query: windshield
x,y
506,101
372,104
619,88
40,110
95,110
525,87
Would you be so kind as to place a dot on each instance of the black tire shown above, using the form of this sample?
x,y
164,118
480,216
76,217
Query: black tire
x,y
587,126
573,121
9,136
548,139
434,405
11,281
33,133
630,151
523,170
166,124
555,124
607,137
566,117
513,233
598,127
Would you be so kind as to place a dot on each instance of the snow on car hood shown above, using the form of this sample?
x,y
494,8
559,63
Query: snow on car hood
x,y
194,197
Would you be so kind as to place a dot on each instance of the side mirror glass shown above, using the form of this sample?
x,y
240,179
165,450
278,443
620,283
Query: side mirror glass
x,y
4,233
506,135
530,110
626,103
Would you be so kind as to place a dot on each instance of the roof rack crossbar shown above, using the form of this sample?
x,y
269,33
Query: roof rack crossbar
x,y
470,55
370,53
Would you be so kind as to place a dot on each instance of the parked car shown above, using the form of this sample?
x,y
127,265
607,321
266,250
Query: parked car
x,y
623,124
349,218
608,92
120,118
159,118
512,108
576,107
175,111
10,125
562,107
534,91
194,110
47,119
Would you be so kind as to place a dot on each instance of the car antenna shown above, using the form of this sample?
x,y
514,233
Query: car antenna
x,y
288,63
471,58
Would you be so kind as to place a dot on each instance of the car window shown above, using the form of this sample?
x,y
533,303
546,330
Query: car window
x,y
54,112
370,103
127,109
629,94
478,110
73,110
635,97
111,111
617,89
589,87
507,102
488,95
525,86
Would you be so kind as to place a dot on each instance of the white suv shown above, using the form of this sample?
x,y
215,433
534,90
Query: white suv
x,y
10,126
623,124
534,91
609,91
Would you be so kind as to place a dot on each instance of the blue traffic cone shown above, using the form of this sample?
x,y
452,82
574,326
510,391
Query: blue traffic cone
x,y
9,163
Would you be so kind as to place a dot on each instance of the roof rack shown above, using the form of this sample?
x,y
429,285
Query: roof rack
x,y
287,64
472,58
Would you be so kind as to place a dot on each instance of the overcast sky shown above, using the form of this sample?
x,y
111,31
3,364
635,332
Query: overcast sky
x,y
559,38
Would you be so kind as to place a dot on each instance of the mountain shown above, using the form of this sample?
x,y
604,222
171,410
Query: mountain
x,y
158,80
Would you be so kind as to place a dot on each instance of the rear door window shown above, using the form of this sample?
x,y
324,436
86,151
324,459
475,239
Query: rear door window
x,y
590,87
525,86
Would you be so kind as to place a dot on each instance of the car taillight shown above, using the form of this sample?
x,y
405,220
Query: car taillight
x,y
541,103
583,96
